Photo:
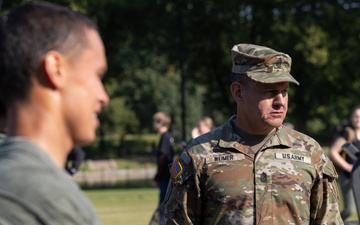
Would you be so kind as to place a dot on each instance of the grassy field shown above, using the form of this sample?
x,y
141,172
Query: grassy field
x,y
133,206
125,206
129,206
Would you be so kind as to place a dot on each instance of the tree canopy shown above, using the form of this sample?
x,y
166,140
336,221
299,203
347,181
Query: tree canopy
x,y
154,46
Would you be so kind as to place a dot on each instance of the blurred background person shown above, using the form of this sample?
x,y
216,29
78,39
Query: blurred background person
x,y
164,156
204,125
344,164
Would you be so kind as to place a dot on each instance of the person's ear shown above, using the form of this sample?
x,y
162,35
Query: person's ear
x,y
54,69
237,90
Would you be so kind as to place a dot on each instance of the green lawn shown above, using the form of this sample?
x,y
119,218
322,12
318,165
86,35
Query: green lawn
x,y
129,206
133,206
125,206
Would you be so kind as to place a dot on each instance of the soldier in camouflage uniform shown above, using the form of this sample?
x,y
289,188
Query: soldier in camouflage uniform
x,y
252,169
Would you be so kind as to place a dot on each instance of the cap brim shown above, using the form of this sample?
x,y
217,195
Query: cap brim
x,y
274,77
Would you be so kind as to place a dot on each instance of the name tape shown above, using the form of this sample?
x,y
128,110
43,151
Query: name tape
x,y
228,157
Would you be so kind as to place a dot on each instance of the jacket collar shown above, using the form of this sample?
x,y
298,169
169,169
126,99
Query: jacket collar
x,y
229,139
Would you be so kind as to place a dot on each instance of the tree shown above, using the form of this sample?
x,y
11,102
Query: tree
x,y
148,42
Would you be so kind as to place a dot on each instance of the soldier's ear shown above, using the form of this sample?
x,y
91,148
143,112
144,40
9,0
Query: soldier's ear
x,y
237,90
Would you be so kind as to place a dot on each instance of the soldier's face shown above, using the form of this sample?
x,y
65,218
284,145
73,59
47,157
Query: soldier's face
x,y
265,105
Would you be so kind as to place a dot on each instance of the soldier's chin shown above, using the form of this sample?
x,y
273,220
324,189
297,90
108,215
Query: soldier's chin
x,y
276,122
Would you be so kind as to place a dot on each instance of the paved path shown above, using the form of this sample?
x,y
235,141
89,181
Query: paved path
x,y
113,176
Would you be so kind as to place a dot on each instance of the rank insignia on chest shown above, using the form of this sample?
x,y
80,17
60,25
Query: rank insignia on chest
x,y
176,169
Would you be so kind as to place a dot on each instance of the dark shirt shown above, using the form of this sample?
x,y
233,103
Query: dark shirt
x,y
74,160
164,156
345,134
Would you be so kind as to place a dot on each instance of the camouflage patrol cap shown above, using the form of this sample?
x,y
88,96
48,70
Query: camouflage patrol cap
x,y
261,64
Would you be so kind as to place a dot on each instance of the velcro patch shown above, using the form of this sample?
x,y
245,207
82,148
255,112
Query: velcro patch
x,y
176,169
185,158
225,157
294,157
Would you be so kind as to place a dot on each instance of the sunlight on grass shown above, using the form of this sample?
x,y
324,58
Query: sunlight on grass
x,y
135,206
130,206
124,206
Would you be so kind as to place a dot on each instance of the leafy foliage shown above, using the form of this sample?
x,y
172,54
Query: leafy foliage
x,y
152,46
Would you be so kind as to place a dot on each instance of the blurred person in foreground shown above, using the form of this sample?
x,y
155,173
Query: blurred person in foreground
x,y
164,156
52,60
344,163
252,169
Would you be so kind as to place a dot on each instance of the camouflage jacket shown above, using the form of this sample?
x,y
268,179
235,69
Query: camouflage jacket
x,y
217,180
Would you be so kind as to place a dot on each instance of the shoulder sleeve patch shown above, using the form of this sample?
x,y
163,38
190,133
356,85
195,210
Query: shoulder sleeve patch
x,y
176,169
